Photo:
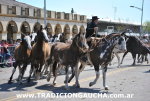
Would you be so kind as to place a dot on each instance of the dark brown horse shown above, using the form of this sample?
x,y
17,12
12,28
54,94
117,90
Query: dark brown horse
x,y
40,52
135,46
68,55
22,57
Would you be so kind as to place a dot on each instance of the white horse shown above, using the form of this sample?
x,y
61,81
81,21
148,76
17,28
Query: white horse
x,y
117,51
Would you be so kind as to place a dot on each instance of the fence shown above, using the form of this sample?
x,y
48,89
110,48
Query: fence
x,y
10,60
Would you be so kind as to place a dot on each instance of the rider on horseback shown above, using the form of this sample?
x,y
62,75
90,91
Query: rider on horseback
x,y
92,27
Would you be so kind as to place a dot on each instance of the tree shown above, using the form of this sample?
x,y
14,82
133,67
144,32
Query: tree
x,y
146,27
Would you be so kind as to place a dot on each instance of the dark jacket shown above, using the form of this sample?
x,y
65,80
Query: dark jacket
x,y
90,29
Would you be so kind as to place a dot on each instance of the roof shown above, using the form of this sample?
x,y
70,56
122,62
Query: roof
x,y
16,3
119,22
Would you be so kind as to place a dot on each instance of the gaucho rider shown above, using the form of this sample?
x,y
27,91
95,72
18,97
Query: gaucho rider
x,y
92,27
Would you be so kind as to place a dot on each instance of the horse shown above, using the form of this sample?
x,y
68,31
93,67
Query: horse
x,y
67,55
135,46
101,55
33,38
39,54
22,57
117,49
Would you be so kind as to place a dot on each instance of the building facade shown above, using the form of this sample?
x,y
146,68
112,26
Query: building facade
x,y
17,18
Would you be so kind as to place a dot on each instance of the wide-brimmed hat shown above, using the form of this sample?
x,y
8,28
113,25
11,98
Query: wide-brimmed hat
x,y
94,18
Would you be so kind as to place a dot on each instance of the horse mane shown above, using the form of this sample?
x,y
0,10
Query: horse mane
x,y
136,39
75,38
112,35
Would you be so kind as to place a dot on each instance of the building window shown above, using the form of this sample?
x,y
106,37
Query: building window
x,y
58,15
81,18
38,13
35,12
27,11
49,14
11,9
75,17
24,11
67,16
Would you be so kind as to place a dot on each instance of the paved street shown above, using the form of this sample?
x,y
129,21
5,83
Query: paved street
x,y
131,80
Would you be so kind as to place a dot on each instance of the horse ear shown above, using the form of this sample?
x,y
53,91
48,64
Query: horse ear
x,y
123,33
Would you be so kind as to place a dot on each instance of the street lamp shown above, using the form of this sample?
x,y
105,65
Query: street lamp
x,y
141,9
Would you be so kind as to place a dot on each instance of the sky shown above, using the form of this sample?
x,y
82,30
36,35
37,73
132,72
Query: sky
x,y
104,9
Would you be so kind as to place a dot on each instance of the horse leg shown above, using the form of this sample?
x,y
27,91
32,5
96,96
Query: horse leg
x,y
112,57
104,70
77,75
40,69
49,73
55,72
30,73
143,58
124,56
81,68
19,67
72,75
134,58
97,75
45,69
15,64
22,73
66,84
118,59
146,59
37,71
138,58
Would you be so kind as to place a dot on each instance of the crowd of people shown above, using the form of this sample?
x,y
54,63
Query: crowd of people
x,y
6,50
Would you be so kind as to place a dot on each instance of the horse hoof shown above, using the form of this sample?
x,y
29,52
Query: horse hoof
x,y
77,86
106,88
65,81
9,82
90,84
54,83
48,79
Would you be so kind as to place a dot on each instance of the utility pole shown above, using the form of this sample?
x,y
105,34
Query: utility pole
x,y
141,9
115,11
45,13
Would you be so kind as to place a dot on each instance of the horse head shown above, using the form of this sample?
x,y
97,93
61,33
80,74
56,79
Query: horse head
x,y
121,42
81,42
26,40
42,35
33,38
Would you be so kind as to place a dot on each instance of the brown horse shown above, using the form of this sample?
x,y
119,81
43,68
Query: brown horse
x,y
22,57
68,55
40,52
